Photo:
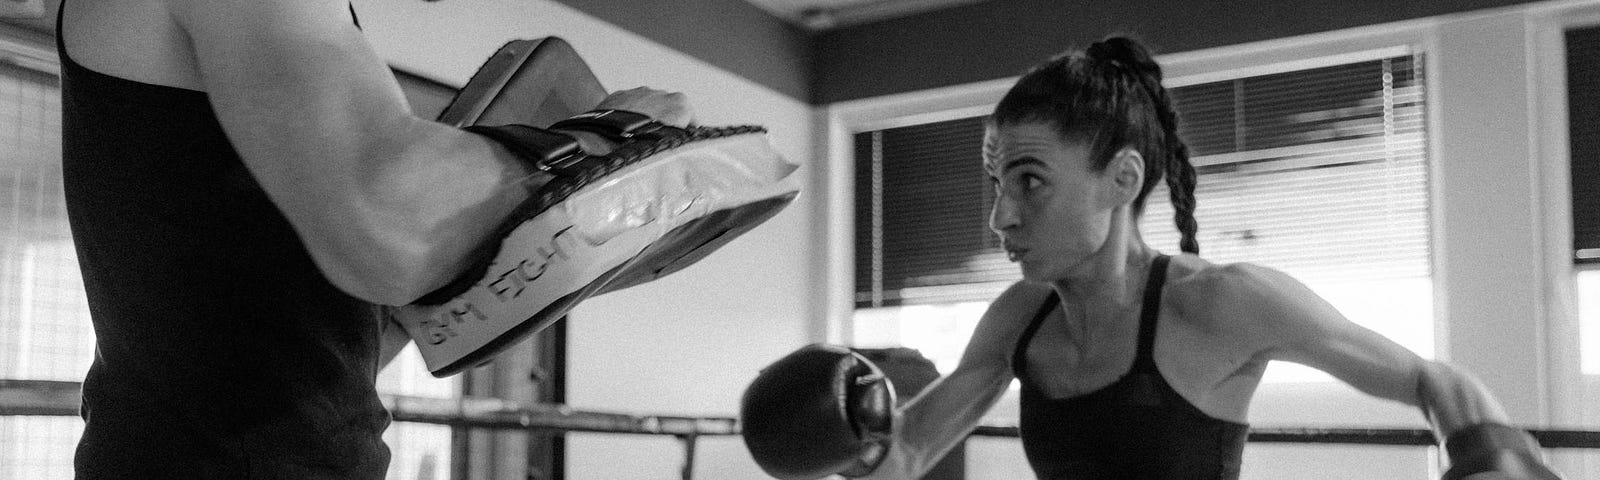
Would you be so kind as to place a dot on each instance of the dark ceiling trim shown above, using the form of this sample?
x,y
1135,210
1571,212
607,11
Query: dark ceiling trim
x,y
969,43
975,42
999,39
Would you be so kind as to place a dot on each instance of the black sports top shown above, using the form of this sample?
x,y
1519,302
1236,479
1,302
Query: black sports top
x,y
1136,428
221,350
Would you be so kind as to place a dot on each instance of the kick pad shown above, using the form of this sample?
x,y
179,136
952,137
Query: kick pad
x,y
650,208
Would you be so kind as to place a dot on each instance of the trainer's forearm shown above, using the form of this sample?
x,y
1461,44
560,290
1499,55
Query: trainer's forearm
x,y
415,207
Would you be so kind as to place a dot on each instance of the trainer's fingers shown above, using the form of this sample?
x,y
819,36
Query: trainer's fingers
x,y
671,108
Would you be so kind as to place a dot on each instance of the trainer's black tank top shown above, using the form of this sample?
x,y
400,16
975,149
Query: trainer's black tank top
x,y
221,350
1137,428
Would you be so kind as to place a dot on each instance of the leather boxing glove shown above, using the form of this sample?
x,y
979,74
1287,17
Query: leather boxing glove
x,y
1494,452
819,411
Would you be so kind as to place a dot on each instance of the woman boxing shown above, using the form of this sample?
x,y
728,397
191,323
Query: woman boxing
x,y
1133,363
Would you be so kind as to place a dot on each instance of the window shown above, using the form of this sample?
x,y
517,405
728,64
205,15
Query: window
x,y
1583,88
1583,91
1580,33
1330,188
1588,284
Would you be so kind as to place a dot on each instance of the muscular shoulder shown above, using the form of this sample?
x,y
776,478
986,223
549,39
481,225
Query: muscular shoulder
x,y
1234,296
134,40
1003,322
1018,304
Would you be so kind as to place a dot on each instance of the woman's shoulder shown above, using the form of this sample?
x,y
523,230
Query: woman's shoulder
x,y
1014,308
1193,274
1202,290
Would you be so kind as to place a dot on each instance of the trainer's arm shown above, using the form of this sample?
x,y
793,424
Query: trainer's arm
x,y
945,413
391,341
388,204
1308,330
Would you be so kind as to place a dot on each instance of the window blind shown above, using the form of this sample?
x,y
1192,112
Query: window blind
x,y
922,206
1319,172
1583,94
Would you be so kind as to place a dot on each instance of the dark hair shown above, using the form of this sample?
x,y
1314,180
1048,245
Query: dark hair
x,y
1110,96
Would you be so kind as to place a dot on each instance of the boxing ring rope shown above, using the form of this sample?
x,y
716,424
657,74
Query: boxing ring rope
x,y
56,398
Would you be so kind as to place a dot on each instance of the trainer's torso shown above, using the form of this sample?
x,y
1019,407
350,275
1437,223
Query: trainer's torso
x,y
221,350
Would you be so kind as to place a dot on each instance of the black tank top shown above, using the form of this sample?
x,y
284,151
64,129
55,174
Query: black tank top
x,y
221,350
1136,428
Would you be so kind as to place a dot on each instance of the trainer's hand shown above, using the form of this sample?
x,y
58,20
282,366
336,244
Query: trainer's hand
x,y
670,108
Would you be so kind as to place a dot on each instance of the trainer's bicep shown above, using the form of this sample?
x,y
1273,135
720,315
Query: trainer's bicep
x,y
298,90
377,195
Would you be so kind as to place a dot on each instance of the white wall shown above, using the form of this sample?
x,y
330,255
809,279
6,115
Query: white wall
x,y
689,343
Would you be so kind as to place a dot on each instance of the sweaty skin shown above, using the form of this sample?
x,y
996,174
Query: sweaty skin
x,y
1072,231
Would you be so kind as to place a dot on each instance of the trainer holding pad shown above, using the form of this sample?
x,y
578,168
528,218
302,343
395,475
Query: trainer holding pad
x,y
661,199
247,188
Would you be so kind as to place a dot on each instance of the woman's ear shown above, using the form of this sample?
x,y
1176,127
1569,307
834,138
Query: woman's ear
x,y
1126,174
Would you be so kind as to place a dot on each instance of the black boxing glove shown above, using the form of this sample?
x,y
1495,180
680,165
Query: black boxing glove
x,y
822,410
1491,451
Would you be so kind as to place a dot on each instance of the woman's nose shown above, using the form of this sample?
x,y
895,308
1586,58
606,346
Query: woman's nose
x,y
1003,216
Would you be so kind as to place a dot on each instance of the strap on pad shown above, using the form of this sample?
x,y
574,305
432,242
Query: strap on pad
x,y
617,125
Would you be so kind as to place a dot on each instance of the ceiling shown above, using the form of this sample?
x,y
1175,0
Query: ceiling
x,y
825,14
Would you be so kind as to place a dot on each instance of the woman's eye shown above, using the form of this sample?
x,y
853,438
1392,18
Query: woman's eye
x,y
1025,182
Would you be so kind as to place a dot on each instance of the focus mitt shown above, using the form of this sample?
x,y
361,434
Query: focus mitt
x,y
664,198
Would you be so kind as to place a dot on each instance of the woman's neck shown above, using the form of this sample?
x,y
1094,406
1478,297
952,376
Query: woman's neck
x,y
1115,275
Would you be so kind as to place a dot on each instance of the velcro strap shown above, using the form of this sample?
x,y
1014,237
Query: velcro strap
x,y
542,149
618,125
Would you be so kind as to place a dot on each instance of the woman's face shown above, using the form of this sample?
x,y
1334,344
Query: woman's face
x,y
1052,210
